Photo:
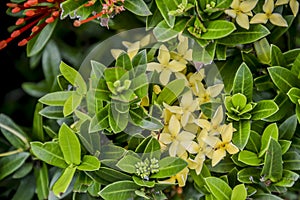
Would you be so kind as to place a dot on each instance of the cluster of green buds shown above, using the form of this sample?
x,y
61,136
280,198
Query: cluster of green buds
x,y
118,86
147,167
238,108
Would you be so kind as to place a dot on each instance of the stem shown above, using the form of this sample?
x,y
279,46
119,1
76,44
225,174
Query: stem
x,y
16,133
11,152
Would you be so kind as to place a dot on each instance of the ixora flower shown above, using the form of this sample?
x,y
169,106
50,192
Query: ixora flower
x,y
275,18
294,5
241,10
166,66
35,15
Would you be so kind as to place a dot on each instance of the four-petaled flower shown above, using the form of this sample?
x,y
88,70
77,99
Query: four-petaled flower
x,y
294,5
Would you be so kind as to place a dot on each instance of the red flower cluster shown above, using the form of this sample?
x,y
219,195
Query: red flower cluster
x,y
37,14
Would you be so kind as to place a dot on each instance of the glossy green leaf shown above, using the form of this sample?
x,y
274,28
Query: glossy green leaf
x,y
218,188
201,55
24,170
25,190
142,182
270,132
73,77
241,136
288,179
56,98
49,152
137,7
165,7
294,95
283,78
89,163
70,7
117,120
249,175
264,109
124,61
243,82
52,112
169,166
273,167
100,120
291,160
139,118
288,128
285,145
106,175
171,91
36,44
254,142
278,32
83,181
63,182
249,158
140,85
283,104
10,164
42,180
121,190
163,32
218,29
263,51
127,163
239,192
69,145
91,141
243,36
37,127
71,103
277,58
150,148
110,151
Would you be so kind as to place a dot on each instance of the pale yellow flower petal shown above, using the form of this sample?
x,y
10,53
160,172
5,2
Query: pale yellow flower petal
x,y
176,66
211,140
248,5
173,109
281,2
259,18
190,146
242,20
200,160
235,4
185,118
182,176
217,118
183,44
217,156
145,40
231,13
174,126
163,55
180,151
203,123
133,49
268,6
116,52
173,148
191,127
187,100
166,138
231,148
278,20
294,5
185,136
188,55
226,133
164,76
153,66
215,90
171,180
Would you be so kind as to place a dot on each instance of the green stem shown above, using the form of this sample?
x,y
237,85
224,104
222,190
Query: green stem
x,y
11,152
16,133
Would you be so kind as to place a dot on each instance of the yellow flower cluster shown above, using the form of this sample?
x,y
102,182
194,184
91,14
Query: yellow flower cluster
x,y
241,10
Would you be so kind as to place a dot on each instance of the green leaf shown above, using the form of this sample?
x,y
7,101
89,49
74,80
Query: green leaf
x,y
121,190
239,192
249,158
273,162
73,77
288,179
52,112
111,152
241,136
201,55
124,61
35,89
10,164
296,66
140,85
249,175
243,82
264,109
265,196
145,122
91,141
270,132
56,98
171,92
294,95
283,104
277,31
37,127
291,160
117,120
169,166
89,163
100,120
263,51
69,145
42,181
143,183
218,29
288,128
243,36
277,58
71,104
150,148
26,189
137,7
163,32
127,163
283,78
285,145
49,152
70,7
107,175
218,188
63,182
254,142
37,43
165,7
24,170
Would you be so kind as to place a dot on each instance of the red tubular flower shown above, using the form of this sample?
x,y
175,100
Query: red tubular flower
x,y
37,14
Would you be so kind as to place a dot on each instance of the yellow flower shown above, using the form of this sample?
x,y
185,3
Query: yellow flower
x,y
275,18
294,5
241,10
175,137
183,53
221,146
165,66
193,78
181,178
188,105
169,111
204,95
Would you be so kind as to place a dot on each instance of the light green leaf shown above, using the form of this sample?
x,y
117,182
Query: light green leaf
x,y
71,103
52,112
70,7
56,98
277,58
49,152
218,188
249,175
63,182
124,61
127,163
89,163
263,51
69,145
169,166
250,158
285,145
171,92
264,109
10,164
137,7
42,181
241,136
239,192
143,183
294,95
270,132
288,179
163,32
121,190
283,78
243,82
218,29
273,162
37,127
165,7
91,141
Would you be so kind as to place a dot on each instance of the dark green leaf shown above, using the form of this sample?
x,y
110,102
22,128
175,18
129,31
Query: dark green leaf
x,y
91,141
291,160
143,183
241,136
37,127
70,8
263,51
107,175
137,7
270,132
25,189
264,109
150,148
121,190
277,58
254,142
243,82
24,170
100,120
249,175
42,180
288,128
